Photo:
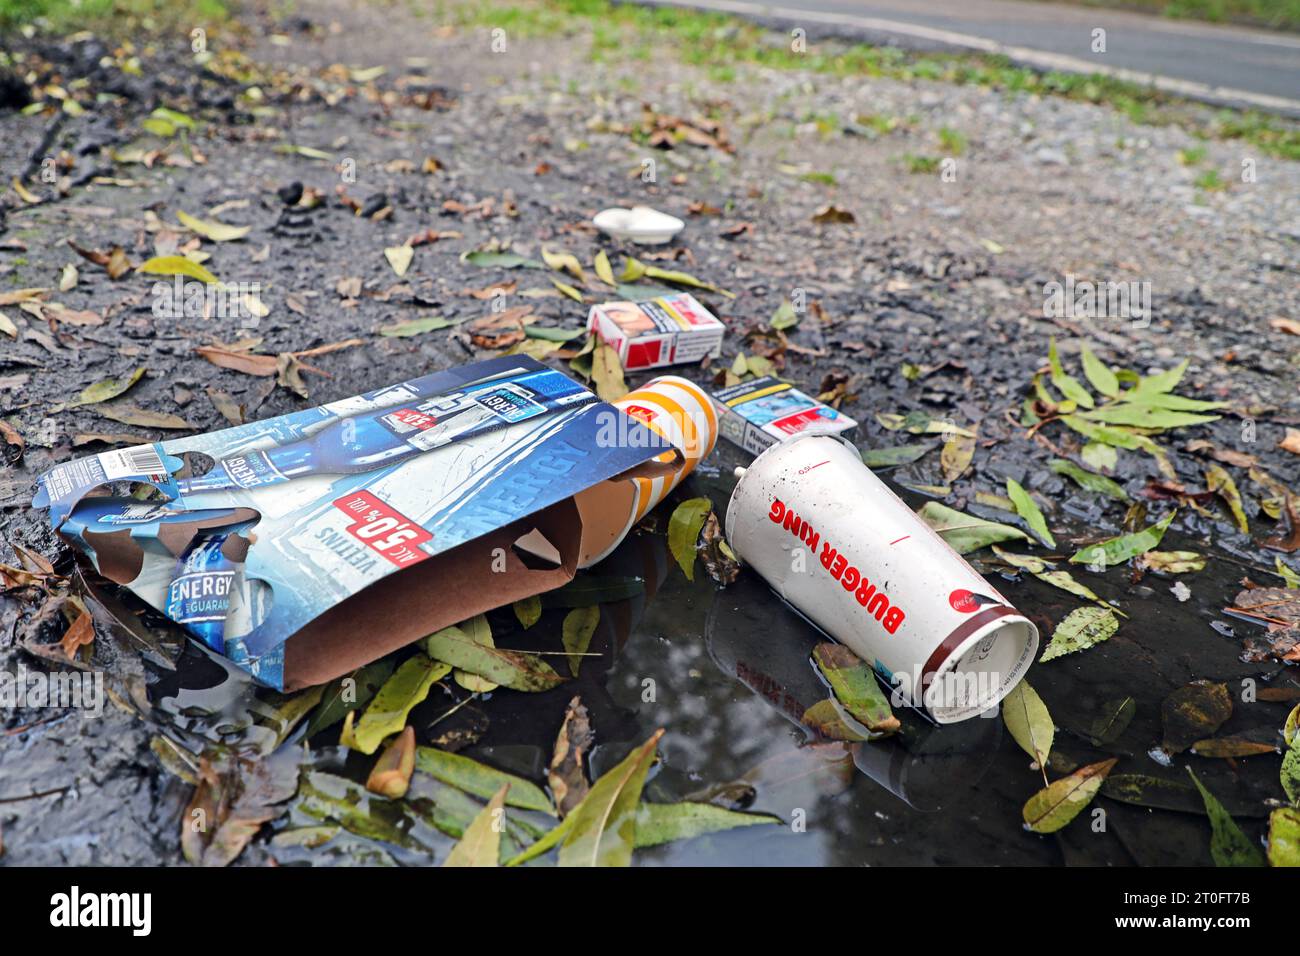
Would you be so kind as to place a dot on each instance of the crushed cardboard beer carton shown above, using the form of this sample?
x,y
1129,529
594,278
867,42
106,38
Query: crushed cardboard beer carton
x,y
323,539
759,413
670,330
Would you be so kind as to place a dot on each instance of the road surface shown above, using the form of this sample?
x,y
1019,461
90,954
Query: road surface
x,y
1217,64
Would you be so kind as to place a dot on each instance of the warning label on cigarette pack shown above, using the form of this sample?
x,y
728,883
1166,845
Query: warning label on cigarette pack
x,y
760,413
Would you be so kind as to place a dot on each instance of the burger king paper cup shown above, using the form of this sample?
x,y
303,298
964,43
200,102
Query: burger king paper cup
x,y
678,411
836,543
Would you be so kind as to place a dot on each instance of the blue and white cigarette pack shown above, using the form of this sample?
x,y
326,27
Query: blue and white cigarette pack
x,y
323,539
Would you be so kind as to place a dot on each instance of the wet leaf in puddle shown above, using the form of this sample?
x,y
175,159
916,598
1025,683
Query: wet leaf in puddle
x,y
684,532
1114,719
528,610
349,693
234,798
593,589
602,829
1143,790
1028,509
567,774
854,685
1062,800
719,560
1113,551
480,780
481,844
1228,845
966,533
327,797
1082,628
1220,482
1088,480
391,774
1284,837
1193,713
579,626
1029,722
830,720
1239,746
1290,775
386,713
1291,729
517,670
1172,562
893,455
660,823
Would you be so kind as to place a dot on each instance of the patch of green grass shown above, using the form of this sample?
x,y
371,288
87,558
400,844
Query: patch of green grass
x,y
824,179
715,41
116,17
920,164
952,142
1279,14
1210,181
1192,156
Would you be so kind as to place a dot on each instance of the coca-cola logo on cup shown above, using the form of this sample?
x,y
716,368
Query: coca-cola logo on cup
x,y
963,601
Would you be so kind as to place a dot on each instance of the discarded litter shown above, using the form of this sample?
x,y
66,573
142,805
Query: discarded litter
x,y
757,414
671,330
844,550
640,224
482,485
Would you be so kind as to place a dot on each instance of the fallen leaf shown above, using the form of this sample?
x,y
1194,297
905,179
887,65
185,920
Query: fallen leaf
x,y
1062,800
399,257
391,775
1088,480
1291,442
1113,551
387,711
1029,722
965,533
660,823
211,229
1220,482
178,266
579,626
684,532
1082,628
567,774
1029,511
602,829
607,373
1284,837
1194,712
481,780
250,363
481,843
854,685
1228,845
109,388
513,669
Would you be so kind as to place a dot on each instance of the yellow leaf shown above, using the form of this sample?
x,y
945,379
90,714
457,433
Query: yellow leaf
x,y
399,257
211,229
178,266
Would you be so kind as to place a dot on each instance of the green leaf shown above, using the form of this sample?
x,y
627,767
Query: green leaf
x,y
1066,384
408,327
684,532
668,275
894,455
1087,480
1113,551
1062,800
1160,382
1228,845
1028,721
481,780
1099,457
1220,482
1099,374
481,844
350,693
1286,574
178,266
1291,729
587,589
1290,775
785,317
1082,628
603,270
660,823
107,389
528,610
1028,509
579,625
141,417
551,334
1145,416
966,533
855,687
920,423
514,669
1114,720
602,828
387,712
1284,837
830,719
500,260
955,457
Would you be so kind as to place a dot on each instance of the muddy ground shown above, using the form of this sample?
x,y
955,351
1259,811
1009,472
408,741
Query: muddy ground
x,y
526,144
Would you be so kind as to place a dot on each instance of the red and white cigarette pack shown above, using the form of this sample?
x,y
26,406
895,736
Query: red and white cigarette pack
x,y
669,330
